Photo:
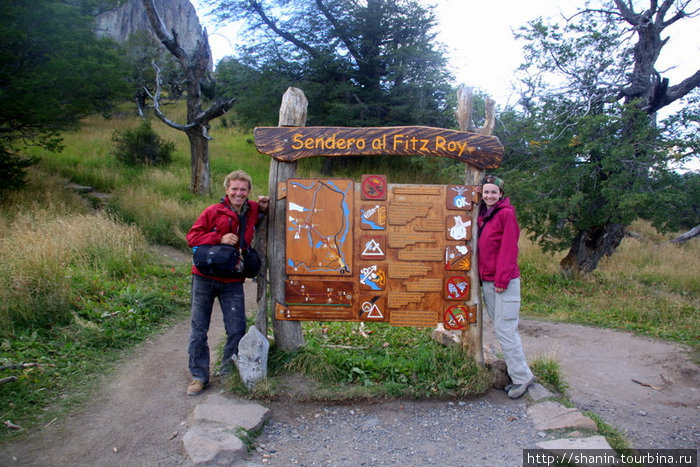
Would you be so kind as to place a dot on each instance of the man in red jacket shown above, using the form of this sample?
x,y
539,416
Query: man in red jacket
x,y
500,278
220,223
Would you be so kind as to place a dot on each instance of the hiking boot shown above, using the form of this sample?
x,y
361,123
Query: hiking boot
x,y
195,388
519,389
508,387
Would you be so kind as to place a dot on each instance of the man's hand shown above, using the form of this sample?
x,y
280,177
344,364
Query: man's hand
x,y
264,203
499,289
229,239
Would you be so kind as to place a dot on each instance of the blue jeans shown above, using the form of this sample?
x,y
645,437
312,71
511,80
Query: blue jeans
x,y
230,295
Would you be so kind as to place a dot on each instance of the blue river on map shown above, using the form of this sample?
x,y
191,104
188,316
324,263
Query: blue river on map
x,y
346,214
373,225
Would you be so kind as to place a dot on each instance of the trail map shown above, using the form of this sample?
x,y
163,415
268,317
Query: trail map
x,y
319,227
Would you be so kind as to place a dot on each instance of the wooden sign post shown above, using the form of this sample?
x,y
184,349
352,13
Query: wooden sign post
x,y
288,335
373,251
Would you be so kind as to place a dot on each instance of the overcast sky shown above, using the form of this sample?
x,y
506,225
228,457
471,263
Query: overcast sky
x,y
480,44
483,52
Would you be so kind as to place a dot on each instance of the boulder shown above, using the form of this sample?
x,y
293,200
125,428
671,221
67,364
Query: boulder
x,y
251,360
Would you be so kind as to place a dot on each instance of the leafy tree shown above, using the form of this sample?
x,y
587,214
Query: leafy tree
x,y
258,92
586,153
359,63
52,72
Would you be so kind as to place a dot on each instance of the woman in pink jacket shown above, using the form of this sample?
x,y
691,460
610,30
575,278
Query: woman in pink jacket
x,y
500,278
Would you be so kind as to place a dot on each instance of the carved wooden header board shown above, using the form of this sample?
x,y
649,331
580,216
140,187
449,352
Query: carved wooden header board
x,y
378,252
292,143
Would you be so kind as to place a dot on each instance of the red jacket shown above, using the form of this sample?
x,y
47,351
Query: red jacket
x,y
216,221
498,243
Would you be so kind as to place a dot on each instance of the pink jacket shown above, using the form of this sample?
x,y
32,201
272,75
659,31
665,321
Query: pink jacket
x,y
498,243
216,221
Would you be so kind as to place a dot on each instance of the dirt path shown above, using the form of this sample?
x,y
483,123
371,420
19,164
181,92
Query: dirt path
x,y
604,370
140,415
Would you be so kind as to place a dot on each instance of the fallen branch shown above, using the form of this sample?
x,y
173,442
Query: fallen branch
x,y
694,232
647,385
12,426
9,379
16,366
362,330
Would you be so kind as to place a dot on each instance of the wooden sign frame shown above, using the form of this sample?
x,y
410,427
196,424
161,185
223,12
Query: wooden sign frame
x,y
409,269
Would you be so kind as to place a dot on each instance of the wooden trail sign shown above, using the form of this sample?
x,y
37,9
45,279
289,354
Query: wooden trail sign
x,y
293,143
401,259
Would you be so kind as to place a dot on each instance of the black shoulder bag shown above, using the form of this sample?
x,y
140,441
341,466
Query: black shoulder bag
x,y
227,260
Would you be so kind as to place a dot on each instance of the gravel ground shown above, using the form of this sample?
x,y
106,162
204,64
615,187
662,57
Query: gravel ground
x,y
490,430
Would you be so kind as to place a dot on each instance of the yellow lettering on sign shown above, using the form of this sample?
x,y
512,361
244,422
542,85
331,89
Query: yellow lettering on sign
x,y
398,142
440,143
412,144
297,142
398,139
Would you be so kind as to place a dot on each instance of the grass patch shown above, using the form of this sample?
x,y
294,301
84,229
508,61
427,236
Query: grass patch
x,y
646,288
549,374
615,438
76,288
340,361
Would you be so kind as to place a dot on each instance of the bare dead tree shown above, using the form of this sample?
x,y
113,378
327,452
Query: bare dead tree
x,y
195,65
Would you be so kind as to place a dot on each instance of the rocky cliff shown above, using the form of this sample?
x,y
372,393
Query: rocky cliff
x,y
178,15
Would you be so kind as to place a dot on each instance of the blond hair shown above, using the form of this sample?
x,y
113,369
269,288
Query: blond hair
x,y
238,175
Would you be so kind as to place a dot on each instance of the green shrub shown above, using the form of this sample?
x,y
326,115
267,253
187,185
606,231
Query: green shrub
x,y
142,145
13,170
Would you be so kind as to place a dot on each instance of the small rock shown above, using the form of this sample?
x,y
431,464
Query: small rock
x,y
251,360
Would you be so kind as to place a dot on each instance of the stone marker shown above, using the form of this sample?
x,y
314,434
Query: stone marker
x,y
550,415
251,360
591,451
213,445
232,412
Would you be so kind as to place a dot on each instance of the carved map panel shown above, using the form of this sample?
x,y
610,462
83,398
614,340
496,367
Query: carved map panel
x,y
320,227
373,251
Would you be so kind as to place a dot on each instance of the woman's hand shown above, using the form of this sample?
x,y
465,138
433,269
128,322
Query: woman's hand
x,y
229,239
264,203
499,289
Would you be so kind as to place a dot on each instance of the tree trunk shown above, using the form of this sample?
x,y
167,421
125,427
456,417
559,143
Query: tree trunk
x,y
199,161
195,65
288,334
589,246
